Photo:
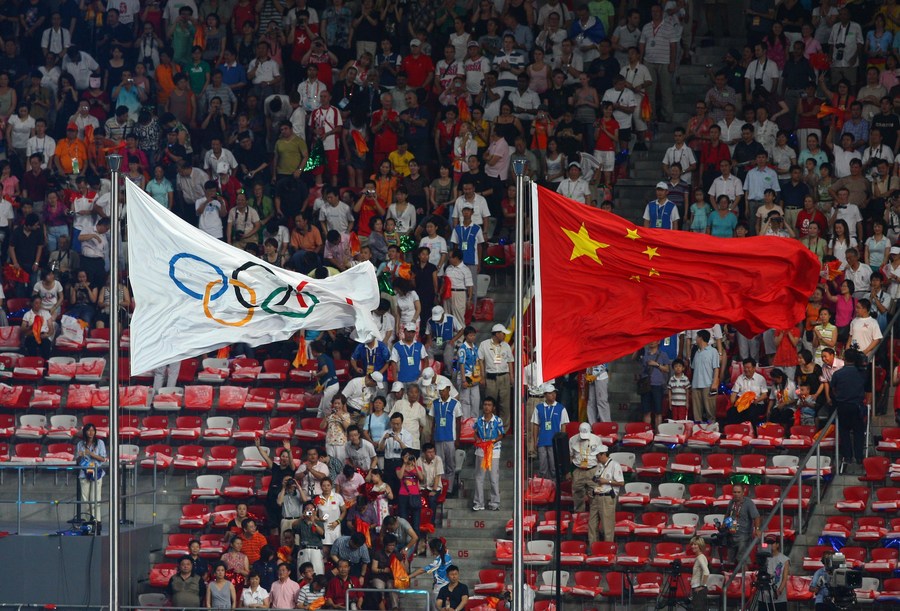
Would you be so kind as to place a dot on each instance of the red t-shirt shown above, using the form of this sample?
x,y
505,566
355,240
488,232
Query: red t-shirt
x,y
712,156
366,212
604,142
386,139
337,589
417,68
302,42
804,218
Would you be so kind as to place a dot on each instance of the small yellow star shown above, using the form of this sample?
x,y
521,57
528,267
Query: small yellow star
x,y
632,234
653,272
651,252
584,245
636,278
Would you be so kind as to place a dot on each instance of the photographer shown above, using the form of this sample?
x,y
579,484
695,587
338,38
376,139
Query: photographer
x,y
243,224
778,567
310,531
290,501
741,522
821,583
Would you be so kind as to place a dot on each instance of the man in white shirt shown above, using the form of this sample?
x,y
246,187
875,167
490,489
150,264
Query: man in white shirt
x,y
680,154
56,39
525,101
480,210
360,452
360,391
496,360
752,407
659,48
95,251
731,128
574,186
858,273
624,104
335,214
727,184
846,44
626,36
263,72
584,451
608,482
847,212
475,67
311,89
462,286
326,123
216,154
211,209
864,330
761,72
40,143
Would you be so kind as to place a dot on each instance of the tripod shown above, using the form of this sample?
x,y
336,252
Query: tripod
x,y
765,594
674,592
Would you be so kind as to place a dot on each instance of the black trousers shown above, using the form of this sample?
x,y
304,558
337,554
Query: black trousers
x,y
851,432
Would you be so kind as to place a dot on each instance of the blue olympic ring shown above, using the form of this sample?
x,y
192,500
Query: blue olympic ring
x,y
185,289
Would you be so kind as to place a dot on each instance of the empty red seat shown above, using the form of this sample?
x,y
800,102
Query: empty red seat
x,y
796,499
15,397
100,422
158,456
80,396
700,496
177,545
768,436
540,491
29,368
608,432
765,496
737,436
154,428
260,400
310,430
875,469
198,397
665,553
890,440
293,400
249,428
838,526
635,554
886,499
855,499
856,556
189,458
637,435
686,463
884,560
647,585
751,464
573,553
491,582
7,424
221,458
580,525
161,573
587,585
813,560
550,524
232,398
653,465
718,466
187,428
280,429
602,554
615,586
239,486
27,453
651,524
194,516
245,370
46,397
274,370
10,338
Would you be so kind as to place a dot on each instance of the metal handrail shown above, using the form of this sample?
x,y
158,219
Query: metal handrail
x,y
889,382
741,564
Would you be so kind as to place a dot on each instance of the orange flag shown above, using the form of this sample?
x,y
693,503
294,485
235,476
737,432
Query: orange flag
x,y
361,147
401,577
36,328
317,604
300,359
363,527
744,401
223,352
488,448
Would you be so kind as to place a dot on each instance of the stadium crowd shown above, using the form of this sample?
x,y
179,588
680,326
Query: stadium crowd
x,y
318,135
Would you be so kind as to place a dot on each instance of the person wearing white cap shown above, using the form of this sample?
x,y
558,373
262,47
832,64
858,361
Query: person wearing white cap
x,y
370,356
597,378
468,237
574,186
470,374
661,213
442,332
397,390
462,286
881,300
445,413
428,384
408,356
584,451
607,481
535,391
360,391
496,360
549,418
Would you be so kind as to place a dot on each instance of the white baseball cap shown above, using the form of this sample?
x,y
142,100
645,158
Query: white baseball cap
x,y
437,313
378,378
584,430
662,185
410,326
548,387
397,387
498,328
602,449
427,376
443,383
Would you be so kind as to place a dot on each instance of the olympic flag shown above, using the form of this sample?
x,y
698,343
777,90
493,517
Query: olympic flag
x,y
194,293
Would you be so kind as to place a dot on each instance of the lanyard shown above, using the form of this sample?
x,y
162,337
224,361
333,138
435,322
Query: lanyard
x,y
408,351
444,409
489,428
764,66
548,412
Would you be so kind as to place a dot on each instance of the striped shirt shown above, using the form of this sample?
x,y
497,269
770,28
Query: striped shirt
x,y
658,38
678,386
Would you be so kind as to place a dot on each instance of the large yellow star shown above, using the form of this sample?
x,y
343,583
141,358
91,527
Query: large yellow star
x,y
632,234
584,245
651,252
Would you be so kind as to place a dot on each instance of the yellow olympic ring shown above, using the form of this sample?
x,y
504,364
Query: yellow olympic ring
x,y
232,282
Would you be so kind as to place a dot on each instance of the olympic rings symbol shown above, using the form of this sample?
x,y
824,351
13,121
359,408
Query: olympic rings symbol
x,y
277,298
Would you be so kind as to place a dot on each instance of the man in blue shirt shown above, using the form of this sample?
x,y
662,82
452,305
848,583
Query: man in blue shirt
x,y
469,374
442,332
549,418
488,433
326,376
705,382
445,413
370,356
408,356
760,178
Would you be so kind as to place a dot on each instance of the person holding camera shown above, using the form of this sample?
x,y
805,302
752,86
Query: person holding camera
x,y
742,521
411,476
290,500
243,224
820,585
393,443
608,480
309,533
778,567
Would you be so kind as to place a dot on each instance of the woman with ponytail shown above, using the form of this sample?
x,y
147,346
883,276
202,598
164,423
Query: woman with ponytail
x,y
438,567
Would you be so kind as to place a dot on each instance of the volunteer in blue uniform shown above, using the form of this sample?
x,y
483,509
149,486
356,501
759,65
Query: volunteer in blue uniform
x,y
549,418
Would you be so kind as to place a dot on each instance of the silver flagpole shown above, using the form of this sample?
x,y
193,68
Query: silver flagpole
x,y
115,164
518,576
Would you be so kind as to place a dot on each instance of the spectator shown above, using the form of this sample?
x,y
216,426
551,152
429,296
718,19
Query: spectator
x,y
283,594
745,522
608,481
351,550
489,433
38,330
186,588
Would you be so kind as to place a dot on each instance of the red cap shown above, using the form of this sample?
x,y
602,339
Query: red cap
x,y
72,125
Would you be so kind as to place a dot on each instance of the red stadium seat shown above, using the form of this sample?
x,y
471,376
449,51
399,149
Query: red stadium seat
x,y
550,524
765,496
10,338
573,553
187,428
177,545
769,436
653,465
636,554
221,458
154,428
751,464
232,398
240,487
637,435
274,370
100,422
718,466
838,526
280,429
292,400
886,499
310,430
648,585
7,425
665,553
615,586
686,463
875,469
869,529
245,370
813,559
98,340
890,440
700,496
737,436
491,582
161,573
158,456
856,498
795,498
29,368
587,585
15,397
651,524
539,491
884,560
198,397
608,432
80,396
260,400
27,453
189,458
249,428
60,454
602,554
856,556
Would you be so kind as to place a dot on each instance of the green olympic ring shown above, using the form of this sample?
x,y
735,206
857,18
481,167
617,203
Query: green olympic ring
x,y
268,301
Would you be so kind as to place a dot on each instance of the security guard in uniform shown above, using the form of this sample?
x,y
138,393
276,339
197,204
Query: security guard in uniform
x,y
584,451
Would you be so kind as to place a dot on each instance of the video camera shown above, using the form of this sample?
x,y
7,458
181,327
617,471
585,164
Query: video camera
x,y
844,581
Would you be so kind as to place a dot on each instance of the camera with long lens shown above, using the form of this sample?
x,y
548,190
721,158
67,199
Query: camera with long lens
x,y
843,582
839,51
763,578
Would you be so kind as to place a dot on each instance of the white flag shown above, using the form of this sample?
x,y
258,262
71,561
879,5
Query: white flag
x,y
194,293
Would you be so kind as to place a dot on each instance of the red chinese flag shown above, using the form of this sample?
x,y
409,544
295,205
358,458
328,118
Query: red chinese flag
x,y
606,287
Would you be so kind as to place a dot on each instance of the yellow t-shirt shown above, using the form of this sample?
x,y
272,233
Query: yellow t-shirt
x,y
401,162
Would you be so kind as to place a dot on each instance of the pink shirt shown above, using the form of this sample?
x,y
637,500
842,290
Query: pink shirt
x,y
500,169
284,594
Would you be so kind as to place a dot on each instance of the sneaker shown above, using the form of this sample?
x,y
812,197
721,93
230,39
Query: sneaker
x,y
477,507
494,507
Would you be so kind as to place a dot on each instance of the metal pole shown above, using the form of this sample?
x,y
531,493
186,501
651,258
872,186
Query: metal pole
x,y
518,573
115,163
818,473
